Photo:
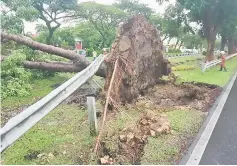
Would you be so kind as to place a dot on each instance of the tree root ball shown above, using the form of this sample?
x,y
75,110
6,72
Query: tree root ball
x,y
138,48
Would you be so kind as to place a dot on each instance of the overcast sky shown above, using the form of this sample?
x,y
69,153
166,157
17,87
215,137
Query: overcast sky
x,y
30,27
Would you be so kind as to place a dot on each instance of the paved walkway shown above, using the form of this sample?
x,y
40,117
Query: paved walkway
x,y
222,146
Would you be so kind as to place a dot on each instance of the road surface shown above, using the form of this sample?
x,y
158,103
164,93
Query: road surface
x,y
222,146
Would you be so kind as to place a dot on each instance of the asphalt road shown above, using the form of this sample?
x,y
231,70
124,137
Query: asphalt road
x,y
222,146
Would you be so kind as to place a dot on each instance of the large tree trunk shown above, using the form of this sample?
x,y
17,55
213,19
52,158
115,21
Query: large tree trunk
x,y
59,67
50,36
141,65
210,32
231,45
211,38
223,42
210,49
44,47
181,44
79,62
177,42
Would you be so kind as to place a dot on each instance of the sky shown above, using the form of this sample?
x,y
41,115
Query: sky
x,y
30,27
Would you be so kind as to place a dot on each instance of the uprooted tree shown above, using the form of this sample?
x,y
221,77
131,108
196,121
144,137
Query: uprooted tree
x,y
137,47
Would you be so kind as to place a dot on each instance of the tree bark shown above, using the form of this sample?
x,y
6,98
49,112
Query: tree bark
x,y
211,38
223,42
46,48
49,37
181,44
51,66
231,45
210,50
177,42
79,62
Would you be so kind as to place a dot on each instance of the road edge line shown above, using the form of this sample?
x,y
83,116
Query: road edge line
x,y
200,147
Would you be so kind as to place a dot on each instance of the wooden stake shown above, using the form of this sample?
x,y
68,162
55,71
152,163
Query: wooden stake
x,y
106,106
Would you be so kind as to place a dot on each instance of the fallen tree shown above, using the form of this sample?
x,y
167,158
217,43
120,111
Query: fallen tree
x,y
79,62
137,47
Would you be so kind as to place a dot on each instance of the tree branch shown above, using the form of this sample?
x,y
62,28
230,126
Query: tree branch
x,y
45,48
52,66
60,67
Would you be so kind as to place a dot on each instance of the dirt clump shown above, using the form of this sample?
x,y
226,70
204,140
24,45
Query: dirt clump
x,y
132,140
80,95
190,95
153,124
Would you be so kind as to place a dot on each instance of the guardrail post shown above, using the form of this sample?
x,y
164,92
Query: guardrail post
x,y
203,67
92,115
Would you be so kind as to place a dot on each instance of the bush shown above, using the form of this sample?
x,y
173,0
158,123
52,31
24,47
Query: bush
x,y
15,79
204,52
171,50
182,68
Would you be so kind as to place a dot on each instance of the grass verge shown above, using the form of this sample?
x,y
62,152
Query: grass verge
x,y
62,137
167,149
211,76
40,89
185,59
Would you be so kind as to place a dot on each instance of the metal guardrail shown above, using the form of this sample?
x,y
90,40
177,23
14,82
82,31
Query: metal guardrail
x,y
181,55
22,122
208,65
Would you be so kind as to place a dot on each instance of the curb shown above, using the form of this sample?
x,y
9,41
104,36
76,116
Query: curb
x,y
195,152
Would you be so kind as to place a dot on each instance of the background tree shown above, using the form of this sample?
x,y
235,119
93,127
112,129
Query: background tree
x,y
210,14
134,7
11,24
104,18
191,41
228,34
49,11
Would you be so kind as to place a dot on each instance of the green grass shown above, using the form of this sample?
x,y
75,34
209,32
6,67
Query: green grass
x,y
166,149
40,89
211,76
184,59
90,58
63,132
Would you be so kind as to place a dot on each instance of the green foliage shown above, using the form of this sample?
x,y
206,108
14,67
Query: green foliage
x,y
49,11
134,7
182,68
191,41
104,19
89,35
173,50
11,23
15,80
209,13
40,88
